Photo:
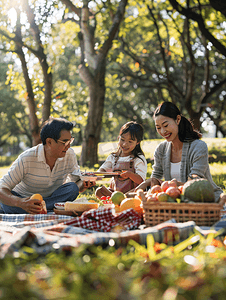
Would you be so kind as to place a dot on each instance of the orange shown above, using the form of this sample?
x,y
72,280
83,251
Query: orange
x,y
43,204
36,196
131,203
117,208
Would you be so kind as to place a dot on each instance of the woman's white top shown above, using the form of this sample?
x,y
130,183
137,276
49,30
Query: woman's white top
x,y
140,165
175,170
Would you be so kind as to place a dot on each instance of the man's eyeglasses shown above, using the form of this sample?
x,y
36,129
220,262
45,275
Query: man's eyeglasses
x,y
67,143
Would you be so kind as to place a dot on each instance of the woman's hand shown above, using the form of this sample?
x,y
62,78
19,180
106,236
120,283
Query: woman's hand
x,y
144,185
222,199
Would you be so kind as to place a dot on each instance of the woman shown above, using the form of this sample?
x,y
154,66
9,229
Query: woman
x,y
182,155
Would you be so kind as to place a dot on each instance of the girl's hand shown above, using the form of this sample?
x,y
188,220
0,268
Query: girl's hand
x,y
125,174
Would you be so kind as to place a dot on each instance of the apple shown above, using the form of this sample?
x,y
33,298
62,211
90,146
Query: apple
x,y
173,192
165,185
162,197
117,197
152,198
156,189
173,183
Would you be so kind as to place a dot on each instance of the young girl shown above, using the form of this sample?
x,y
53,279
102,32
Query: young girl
x,y
182,156
129,160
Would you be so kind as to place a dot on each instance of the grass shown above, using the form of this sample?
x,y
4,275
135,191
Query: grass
x,y
215,146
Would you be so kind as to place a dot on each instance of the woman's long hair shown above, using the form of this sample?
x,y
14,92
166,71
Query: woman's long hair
x,y
137,132
186,131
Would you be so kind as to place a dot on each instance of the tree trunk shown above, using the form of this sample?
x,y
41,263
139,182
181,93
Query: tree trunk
x,y
33,120
96,84
92,71
40,54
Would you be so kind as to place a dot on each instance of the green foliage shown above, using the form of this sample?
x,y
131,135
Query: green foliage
x,y
12,111
192,269
7,160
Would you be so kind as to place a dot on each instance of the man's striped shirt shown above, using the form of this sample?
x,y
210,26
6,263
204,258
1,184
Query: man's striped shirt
x,y
30,174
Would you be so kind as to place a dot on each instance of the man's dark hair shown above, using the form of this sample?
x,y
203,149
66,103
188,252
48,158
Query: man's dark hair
x,y
52,128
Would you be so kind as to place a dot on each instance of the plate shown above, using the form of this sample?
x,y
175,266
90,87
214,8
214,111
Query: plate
x,y
60,205
88,178
107,174
107,206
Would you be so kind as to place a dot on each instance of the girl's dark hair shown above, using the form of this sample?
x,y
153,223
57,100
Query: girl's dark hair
x,y
186,131
137,132
52,128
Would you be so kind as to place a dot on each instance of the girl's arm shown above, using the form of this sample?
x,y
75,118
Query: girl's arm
x,y
140,166
133,176
107,165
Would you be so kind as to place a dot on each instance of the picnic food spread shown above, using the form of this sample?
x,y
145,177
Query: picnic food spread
x,y
159,204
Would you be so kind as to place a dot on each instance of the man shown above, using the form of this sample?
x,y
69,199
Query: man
x,y
49,169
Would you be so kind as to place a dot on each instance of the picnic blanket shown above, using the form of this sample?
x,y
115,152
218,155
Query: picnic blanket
x,y
47,233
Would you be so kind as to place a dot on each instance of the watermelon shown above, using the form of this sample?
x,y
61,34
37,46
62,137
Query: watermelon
x,y
198,190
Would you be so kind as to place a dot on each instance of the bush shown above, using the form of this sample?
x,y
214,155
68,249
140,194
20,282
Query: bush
x,y
7,160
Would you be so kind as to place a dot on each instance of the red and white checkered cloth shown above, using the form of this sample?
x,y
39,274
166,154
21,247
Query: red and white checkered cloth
x,y
104,220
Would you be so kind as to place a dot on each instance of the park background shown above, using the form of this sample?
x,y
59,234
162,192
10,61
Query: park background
x,y
103,63
100,64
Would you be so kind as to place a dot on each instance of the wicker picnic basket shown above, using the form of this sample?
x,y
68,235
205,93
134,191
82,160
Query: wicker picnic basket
x,y
203,214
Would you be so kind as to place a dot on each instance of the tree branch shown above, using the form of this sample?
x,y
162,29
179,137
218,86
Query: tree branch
x,y
198,18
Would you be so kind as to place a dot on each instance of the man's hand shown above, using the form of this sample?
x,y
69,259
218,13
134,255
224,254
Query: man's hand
x,y
32,206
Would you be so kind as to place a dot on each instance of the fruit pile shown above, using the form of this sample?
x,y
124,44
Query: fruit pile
x,y
122,203
167,192
193,191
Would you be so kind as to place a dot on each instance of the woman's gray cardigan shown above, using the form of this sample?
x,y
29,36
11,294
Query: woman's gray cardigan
x,y
194,160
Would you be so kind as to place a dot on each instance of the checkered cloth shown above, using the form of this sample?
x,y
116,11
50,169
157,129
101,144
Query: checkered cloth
x,y
105,220
47,233
95,219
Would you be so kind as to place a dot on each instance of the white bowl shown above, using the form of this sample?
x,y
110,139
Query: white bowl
x,y
60,205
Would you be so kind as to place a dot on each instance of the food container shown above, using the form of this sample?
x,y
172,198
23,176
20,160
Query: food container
x,y
203,214
60,205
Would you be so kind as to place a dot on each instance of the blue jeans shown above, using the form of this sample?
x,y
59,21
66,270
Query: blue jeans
x,y
66,192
